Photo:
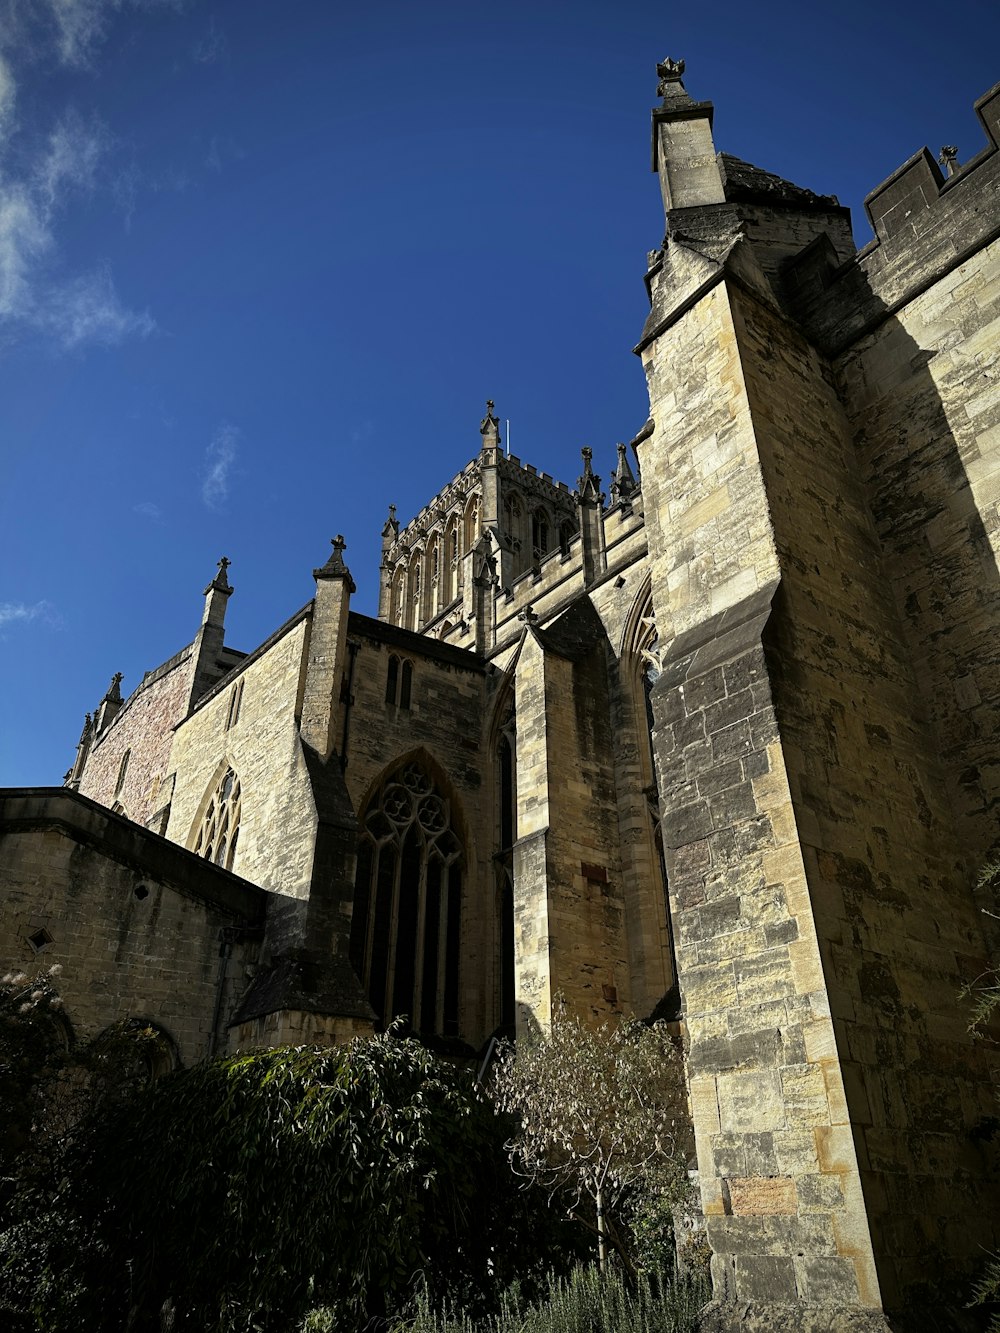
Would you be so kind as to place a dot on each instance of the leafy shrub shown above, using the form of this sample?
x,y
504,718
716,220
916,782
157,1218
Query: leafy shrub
x,y
242,1193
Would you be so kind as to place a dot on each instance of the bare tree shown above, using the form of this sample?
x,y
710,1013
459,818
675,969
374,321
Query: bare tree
x,y
600,1112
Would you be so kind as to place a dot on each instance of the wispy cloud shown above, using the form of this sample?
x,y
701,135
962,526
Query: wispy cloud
x,y
13,613
212,46
50,172
219,459
148,510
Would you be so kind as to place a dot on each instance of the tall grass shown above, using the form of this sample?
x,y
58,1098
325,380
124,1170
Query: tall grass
x,y
583,1302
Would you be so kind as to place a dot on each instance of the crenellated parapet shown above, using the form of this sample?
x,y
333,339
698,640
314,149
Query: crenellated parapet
x,y
925,221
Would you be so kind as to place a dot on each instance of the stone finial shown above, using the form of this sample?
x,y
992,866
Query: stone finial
x,y
489,427
221,581
114,694
948,158
391,528
528,616
588,487
335,567
88,727
670,72
623,482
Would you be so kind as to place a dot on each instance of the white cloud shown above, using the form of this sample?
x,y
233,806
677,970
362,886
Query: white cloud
x,y
87,310
148,510
20,612
219,459
86,307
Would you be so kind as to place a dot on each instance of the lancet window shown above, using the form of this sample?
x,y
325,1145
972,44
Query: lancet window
x,y
407,902
539,534
220,826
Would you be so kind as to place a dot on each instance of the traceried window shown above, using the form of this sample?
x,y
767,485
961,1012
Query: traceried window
x,y
220,827
407,903
567,531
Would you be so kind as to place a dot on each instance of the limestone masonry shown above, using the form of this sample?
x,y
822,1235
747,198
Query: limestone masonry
x,y
719,746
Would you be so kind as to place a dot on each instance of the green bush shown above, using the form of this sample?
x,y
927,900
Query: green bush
x,y
243,1193
585,1301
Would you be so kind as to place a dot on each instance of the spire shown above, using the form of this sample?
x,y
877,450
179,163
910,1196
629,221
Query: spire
x,y
683,151
588,487
623,482
110,706
88,727
217,596
489,428
335,567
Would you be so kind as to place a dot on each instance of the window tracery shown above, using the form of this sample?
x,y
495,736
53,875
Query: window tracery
x,y
407,903
220,826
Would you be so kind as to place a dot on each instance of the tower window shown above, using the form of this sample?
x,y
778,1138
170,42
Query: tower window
x,y
539,534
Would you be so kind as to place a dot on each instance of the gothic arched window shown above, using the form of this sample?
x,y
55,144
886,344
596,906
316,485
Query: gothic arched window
x,y
220,827
567,531
407,903
539,534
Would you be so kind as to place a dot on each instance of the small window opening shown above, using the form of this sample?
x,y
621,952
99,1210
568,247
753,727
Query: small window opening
x,y
141,892
235,703
39,940
122,770
406,685
392,680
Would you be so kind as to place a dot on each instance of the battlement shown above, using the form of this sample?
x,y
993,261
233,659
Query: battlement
x,y
925,224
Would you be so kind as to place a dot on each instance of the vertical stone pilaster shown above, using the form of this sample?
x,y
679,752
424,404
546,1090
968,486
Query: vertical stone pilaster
x,y
568,899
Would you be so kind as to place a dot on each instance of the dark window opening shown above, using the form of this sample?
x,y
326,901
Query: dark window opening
x,y
406,925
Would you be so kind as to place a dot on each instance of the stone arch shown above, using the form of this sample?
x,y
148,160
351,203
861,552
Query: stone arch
x,y
406,930
148,1050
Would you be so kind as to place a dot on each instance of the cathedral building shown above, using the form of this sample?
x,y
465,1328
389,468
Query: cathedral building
x,y
714,741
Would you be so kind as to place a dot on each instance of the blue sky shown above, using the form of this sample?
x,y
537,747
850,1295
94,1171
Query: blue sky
x,y
262,262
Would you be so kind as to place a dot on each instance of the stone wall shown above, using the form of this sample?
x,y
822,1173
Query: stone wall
x,y
144,726
448,726
135,922
278,822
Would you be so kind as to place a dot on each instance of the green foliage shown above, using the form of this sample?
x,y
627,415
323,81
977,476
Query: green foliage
x,y
602,1121
243,1193
586,1301
987,1292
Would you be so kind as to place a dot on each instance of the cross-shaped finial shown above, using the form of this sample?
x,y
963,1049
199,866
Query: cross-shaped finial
x,y
528,616
948,158
489,407
668,71
338,544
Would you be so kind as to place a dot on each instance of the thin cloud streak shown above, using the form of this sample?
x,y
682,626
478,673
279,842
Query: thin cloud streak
x,y
12,613
219,459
